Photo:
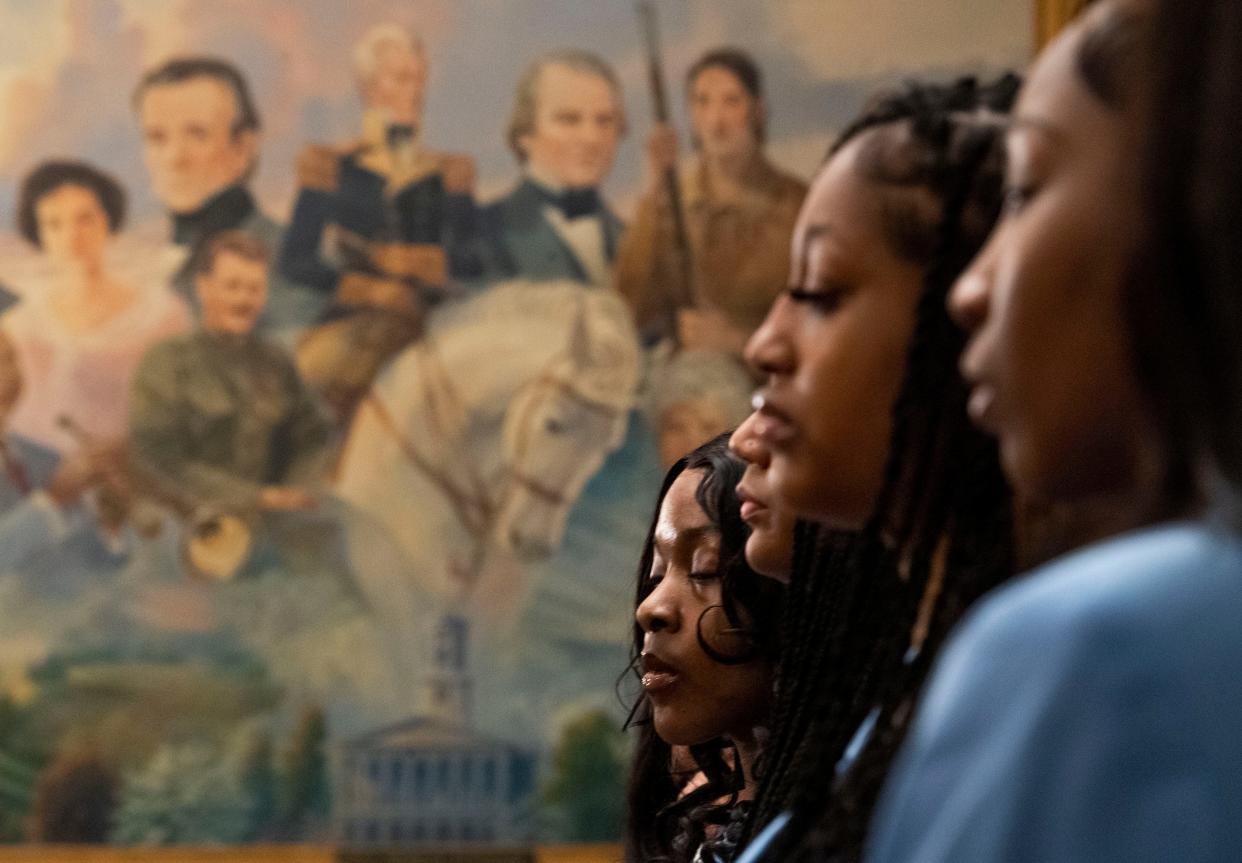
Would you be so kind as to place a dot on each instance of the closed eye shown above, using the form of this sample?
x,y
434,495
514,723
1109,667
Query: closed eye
x,y
1015,198
826,299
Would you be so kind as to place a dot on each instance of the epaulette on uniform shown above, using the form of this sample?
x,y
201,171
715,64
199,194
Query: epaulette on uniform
x,y
319,165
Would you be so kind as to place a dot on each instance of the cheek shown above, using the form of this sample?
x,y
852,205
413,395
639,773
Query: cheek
x,y
1068,396
850,380
769,551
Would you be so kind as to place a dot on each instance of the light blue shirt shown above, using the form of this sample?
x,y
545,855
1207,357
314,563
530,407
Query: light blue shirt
x,y
1091,711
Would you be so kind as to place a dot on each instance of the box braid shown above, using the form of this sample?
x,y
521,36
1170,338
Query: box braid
x,y
661,825
867,611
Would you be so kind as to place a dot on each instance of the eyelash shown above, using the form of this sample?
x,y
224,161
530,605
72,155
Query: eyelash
x,y
1014,198
827,300
653,580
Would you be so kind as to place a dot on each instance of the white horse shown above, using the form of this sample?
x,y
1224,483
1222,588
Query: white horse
x,y
475,442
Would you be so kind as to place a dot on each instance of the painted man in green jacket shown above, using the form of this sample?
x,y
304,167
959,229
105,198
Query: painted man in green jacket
x,y
221,416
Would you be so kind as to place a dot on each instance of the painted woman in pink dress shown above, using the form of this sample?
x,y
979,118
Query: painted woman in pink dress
x,y
79,336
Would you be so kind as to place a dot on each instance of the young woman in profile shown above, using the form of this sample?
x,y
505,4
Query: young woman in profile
x,y
1090,711
704,645
862,416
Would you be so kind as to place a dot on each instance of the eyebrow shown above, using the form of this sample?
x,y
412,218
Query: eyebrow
x,y
813,232
690,534
1033,123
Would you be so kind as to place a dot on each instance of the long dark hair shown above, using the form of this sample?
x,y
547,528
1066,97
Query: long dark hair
x,y
662,826
1185,303
867,611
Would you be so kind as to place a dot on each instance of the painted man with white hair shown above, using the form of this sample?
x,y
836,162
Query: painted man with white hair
x,y
568,117
382,226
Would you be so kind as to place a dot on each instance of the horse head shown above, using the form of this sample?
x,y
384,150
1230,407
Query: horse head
x,y
560,427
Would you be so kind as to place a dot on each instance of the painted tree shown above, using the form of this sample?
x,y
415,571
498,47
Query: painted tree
x,y
305,793
74,800
586,789
259,783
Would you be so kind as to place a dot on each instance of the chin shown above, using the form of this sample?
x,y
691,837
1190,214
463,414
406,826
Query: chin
x,y
584,180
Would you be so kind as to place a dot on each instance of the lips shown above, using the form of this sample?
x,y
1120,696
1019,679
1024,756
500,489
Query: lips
x,y
982,407
751,508
658,675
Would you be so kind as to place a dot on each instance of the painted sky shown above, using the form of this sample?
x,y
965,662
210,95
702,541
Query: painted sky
x,y
67,68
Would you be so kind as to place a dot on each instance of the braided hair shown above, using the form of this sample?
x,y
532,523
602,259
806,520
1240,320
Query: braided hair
x,y
663,824
867,611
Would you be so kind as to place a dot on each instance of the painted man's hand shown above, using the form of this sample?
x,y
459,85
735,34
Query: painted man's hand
x,y
661,156
285,498
457,173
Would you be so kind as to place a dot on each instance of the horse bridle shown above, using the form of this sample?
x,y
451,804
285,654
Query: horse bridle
x,y
549,383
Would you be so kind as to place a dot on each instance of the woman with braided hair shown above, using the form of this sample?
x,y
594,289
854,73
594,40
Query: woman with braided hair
x,y
703,651
1090,711
906,517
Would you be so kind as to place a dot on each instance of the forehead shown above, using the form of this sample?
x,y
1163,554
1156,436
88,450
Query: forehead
x,y
842,210
717,79
203,99
560,87
680,512
1055,96
393,53
229,263
72,195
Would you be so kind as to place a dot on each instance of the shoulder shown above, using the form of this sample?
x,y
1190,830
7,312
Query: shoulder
x,y
1152,578
519,206
319,165
172,352
273,353
264,228
1140,609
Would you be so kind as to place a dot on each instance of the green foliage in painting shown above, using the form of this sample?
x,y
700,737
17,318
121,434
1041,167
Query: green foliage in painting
x,y
185,794
259,782
22,757
305,793
586,790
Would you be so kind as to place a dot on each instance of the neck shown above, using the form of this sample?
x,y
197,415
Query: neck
x,y
227,336
84,278
748,753
549,182
226,209
729,172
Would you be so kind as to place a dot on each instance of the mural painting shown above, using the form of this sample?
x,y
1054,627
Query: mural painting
x,y
341,350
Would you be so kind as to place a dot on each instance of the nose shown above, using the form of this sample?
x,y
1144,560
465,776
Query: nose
x,y
768,351
177,152
658,613
970,298
745,443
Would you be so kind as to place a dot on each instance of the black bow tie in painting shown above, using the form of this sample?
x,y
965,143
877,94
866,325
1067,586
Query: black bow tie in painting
x,y
398,134
573,203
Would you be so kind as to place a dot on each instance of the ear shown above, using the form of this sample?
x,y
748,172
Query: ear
x,y
761,118
248,146
201,285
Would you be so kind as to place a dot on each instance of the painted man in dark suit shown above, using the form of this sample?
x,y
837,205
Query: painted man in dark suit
x,y
200,132
567,120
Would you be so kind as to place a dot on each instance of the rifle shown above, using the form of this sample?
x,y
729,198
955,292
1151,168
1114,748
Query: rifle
x,y
684,293
215,545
